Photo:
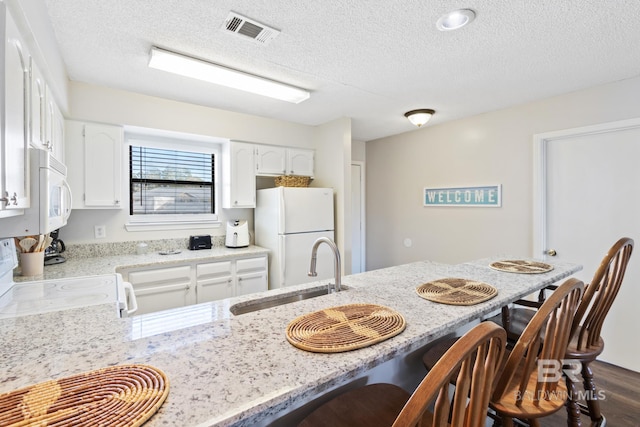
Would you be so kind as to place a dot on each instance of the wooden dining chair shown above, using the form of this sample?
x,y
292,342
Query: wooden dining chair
x,y
586,343
522,391
471,364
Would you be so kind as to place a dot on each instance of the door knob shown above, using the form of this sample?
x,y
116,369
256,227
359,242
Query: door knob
x,y
552,252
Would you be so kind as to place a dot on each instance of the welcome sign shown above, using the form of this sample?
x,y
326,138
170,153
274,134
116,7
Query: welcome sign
x,y
484,196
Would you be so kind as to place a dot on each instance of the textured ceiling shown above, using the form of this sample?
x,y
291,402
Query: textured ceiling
x,y
370,60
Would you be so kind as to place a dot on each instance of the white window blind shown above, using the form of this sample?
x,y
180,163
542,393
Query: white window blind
x,y
171,182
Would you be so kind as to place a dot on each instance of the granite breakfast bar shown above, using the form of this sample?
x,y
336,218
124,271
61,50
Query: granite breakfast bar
x,y
227,370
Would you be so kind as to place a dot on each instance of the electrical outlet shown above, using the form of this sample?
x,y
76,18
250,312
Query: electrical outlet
x,y
100,231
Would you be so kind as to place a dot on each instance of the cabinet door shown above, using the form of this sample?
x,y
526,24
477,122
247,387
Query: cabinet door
x,y
14,142
214,281
162,288
271,160
37,118
242,189
250,283
103,166
300,162
57,133
251,275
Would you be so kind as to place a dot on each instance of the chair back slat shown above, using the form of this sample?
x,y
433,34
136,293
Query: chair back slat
x,y
601,293
471,363
545,338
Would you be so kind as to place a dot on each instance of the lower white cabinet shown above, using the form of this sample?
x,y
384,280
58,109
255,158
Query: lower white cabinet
x,y
162,288
251,274
214,281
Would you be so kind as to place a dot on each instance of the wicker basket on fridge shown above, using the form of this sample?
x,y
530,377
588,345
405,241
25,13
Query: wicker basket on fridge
x,y
292,181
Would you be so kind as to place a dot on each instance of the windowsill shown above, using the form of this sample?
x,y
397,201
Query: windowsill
x,y
172,225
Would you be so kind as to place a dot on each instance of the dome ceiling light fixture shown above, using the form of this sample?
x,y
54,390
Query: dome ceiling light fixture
x,y
455,19
419,117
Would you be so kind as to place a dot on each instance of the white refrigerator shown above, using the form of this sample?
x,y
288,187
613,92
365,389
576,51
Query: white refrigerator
x,y
287,221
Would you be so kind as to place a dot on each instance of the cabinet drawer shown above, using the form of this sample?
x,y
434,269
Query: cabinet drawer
x,y
251,264
161,275
222,268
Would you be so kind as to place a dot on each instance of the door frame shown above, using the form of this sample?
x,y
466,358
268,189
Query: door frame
x,y
540,142
363,231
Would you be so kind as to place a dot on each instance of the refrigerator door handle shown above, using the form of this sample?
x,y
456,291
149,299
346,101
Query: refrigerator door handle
x,y
281,252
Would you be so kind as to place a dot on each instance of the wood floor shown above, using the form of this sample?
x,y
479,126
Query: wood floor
x,y
621,405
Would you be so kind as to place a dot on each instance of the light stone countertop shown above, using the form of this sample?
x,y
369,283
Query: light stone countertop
x,y
77,266
227,370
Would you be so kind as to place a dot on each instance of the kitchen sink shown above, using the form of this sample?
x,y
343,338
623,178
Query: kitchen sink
x,y
268,302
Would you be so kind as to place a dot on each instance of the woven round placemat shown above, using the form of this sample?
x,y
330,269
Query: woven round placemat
x,y
117,396
456,291
521,266
344,328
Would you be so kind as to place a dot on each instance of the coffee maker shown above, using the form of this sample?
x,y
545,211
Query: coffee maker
x,y
52,254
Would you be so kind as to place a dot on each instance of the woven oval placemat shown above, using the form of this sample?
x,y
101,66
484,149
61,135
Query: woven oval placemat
x,y
344,328
117,396
455,291
521,266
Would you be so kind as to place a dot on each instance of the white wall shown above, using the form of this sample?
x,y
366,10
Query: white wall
x,y
492,148
333,169
104,105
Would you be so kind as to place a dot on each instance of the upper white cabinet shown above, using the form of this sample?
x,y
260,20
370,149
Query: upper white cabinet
x,y
277,160
46,123
93,154
271,160
300,162
239,176
14,163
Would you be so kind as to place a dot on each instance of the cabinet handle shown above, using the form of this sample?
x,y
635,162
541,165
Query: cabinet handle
x,y
117,202
5,199
14,199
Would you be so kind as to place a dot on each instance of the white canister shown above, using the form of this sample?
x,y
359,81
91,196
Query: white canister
x,y
141,248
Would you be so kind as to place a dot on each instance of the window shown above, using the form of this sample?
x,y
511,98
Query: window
x,y
172,181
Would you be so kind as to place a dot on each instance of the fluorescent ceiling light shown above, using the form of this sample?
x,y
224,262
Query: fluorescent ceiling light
x,y
209,72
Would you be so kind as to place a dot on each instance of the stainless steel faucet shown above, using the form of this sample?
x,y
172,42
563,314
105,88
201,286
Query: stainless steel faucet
x,y
336,266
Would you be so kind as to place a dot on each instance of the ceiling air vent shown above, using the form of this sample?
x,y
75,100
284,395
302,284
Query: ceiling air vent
x,y
256,31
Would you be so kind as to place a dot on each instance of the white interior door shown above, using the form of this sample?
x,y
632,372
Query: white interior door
x,y
357,218
588,199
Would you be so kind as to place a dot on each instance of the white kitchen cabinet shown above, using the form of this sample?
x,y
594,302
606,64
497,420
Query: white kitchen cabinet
x,y
225,279
279,160
37,107
14,162
251,275
300,162
239,176
159,289
54,126
214,281
93,154
195,282
271,160
46,123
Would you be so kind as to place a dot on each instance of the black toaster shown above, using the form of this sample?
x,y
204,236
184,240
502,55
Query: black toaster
x,y
199,242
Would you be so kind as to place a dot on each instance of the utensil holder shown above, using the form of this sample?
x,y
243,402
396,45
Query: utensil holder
x,y
32,263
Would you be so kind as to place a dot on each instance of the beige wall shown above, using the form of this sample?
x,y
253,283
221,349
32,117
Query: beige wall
x,y
492,148
333,164
104,105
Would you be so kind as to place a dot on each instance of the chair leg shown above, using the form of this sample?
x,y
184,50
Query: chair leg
x,y
591,393
573,408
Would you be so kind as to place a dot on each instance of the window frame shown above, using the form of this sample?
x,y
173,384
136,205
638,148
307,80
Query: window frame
x,y
151,222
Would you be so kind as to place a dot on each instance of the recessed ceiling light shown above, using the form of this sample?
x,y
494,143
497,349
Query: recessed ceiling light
x,y
455,19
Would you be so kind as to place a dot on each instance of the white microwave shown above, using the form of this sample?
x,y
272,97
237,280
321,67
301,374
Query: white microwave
x,y
50,198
